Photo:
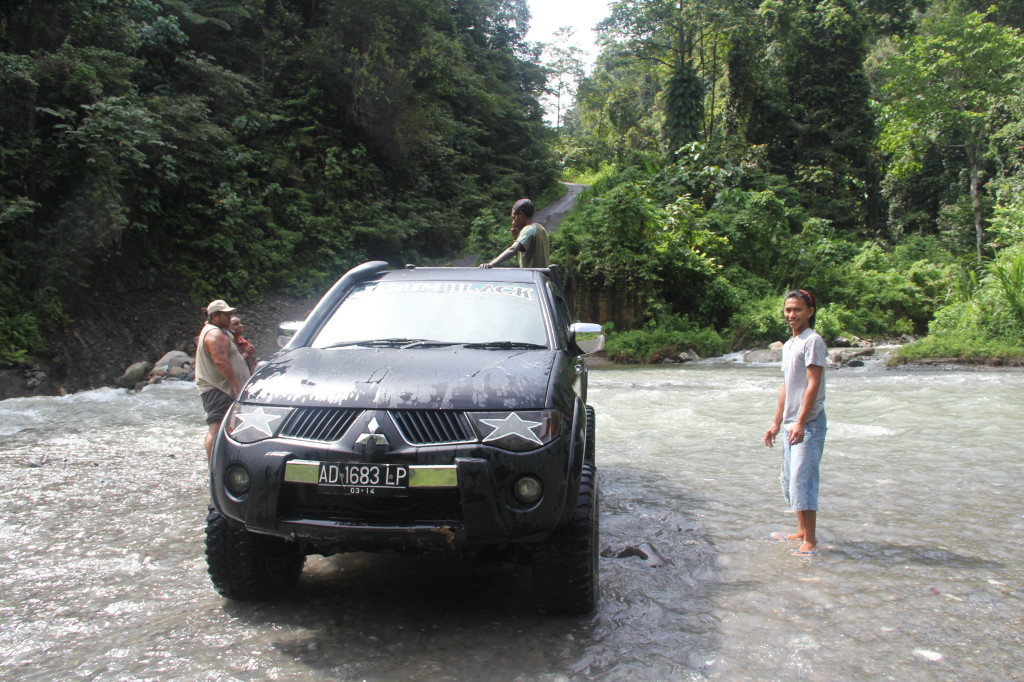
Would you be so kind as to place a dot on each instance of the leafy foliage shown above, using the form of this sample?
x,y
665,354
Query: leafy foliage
x,y
684,109
230,148
801,175
235,148
942,86
664,340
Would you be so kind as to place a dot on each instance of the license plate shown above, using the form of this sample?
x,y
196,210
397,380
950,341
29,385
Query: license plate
x,y
353,478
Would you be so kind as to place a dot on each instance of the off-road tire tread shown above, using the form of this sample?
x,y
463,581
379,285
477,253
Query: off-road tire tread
x,y
565,567
590,452
249,566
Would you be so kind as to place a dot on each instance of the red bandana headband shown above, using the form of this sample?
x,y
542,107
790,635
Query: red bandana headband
x,y
808,294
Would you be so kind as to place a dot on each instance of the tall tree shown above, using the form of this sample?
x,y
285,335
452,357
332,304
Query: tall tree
x,y
940,88
801,90
690,40
563,62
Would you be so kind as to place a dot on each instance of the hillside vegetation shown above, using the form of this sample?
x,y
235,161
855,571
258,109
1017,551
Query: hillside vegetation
x,y
212,148
869,152
872,152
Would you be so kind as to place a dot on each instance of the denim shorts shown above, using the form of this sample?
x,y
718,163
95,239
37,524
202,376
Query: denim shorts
x,y
800,462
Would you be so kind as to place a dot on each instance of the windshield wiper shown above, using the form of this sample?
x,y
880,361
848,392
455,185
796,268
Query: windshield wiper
x,y
505,345
391,343
427,343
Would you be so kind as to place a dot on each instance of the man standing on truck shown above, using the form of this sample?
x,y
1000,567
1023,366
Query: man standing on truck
x,y
221,371
531,239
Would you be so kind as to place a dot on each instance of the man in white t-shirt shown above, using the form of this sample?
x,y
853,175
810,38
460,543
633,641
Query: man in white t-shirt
x,y
800,413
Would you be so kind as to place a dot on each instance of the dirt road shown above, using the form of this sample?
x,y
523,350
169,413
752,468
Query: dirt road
x,y
551,215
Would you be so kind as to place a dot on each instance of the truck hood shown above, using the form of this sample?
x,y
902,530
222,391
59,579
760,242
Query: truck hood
x,y
448,378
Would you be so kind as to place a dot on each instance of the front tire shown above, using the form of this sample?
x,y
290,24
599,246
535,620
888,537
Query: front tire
x,y
246,565
565,567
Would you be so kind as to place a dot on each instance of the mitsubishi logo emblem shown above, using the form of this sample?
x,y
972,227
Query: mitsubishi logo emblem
x,y
371,442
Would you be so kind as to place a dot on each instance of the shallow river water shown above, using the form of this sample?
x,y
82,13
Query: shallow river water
x,y
920,577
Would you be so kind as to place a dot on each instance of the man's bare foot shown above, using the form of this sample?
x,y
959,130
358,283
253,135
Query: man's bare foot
x,y
808,548
780,535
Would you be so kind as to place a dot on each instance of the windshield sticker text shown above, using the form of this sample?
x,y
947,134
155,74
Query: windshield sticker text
x,y
524,292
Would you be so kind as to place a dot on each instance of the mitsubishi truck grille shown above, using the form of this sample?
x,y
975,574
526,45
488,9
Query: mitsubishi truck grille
x,y
433,427
324,424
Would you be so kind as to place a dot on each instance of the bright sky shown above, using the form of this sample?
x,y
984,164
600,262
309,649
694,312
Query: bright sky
x,y
582,15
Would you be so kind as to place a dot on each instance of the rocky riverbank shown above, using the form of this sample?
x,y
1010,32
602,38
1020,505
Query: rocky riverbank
x,y
139,343
142,344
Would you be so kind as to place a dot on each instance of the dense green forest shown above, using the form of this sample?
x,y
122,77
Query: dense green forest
x,y
869,150
236,148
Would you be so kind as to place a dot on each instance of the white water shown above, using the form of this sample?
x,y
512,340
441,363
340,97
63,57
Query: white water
x,y
920,577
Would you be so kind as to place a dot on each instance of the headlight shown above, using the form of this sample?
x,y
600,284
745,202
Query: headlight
x,y
528,489
236,478
251,423
518,431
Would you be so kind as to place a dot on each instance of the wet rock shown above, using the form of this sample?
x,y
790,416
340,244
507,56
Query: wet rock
x,y
685,356
173,361
182,373
34,378
845,356
20,383
763,355
134,375
174,364
643,551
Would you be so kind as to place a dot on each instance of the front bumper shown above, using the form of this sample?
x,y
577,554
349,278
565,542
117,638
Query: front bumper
x,y
459,497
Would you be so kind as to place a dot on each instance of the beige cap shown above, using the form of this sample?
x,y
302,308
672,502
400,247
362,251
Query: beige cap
x,y
219,306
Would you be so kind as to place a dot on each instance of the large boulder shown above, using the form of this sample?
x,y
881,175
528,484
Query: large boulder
x,y
173,363
134,375
763,355
685,356
843,356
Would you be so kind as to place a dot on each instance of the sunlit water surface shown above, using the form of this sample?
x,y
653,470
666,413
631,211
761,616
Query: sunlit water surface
x,y
920,577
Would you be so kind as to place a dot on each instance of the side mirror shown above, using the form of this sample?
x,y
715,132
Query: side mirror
x,y
588,337
285,332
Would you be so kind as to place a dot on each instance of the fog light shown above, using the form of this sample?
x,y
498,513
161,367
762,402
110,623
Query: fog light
x,y
528,489
237,479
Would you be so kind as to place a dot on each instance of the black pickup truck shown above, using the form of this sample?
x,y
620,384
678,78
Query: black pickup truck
x,y
416,409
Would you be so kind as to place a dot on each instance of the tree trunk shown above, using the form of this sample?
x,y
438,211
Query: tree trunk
x,y
972,156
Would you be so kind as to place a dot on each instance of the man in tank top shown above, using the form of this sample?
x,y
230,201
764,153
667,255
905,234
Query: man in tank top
x,y
221,371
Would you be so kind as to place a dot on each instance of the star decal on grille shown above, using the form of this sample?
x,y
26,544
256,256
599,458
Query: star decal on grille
x,y
257,419
512,425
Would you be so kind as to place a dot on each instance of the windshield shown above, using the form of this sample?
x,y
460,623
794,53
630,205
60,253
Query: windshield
x,y
446,312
